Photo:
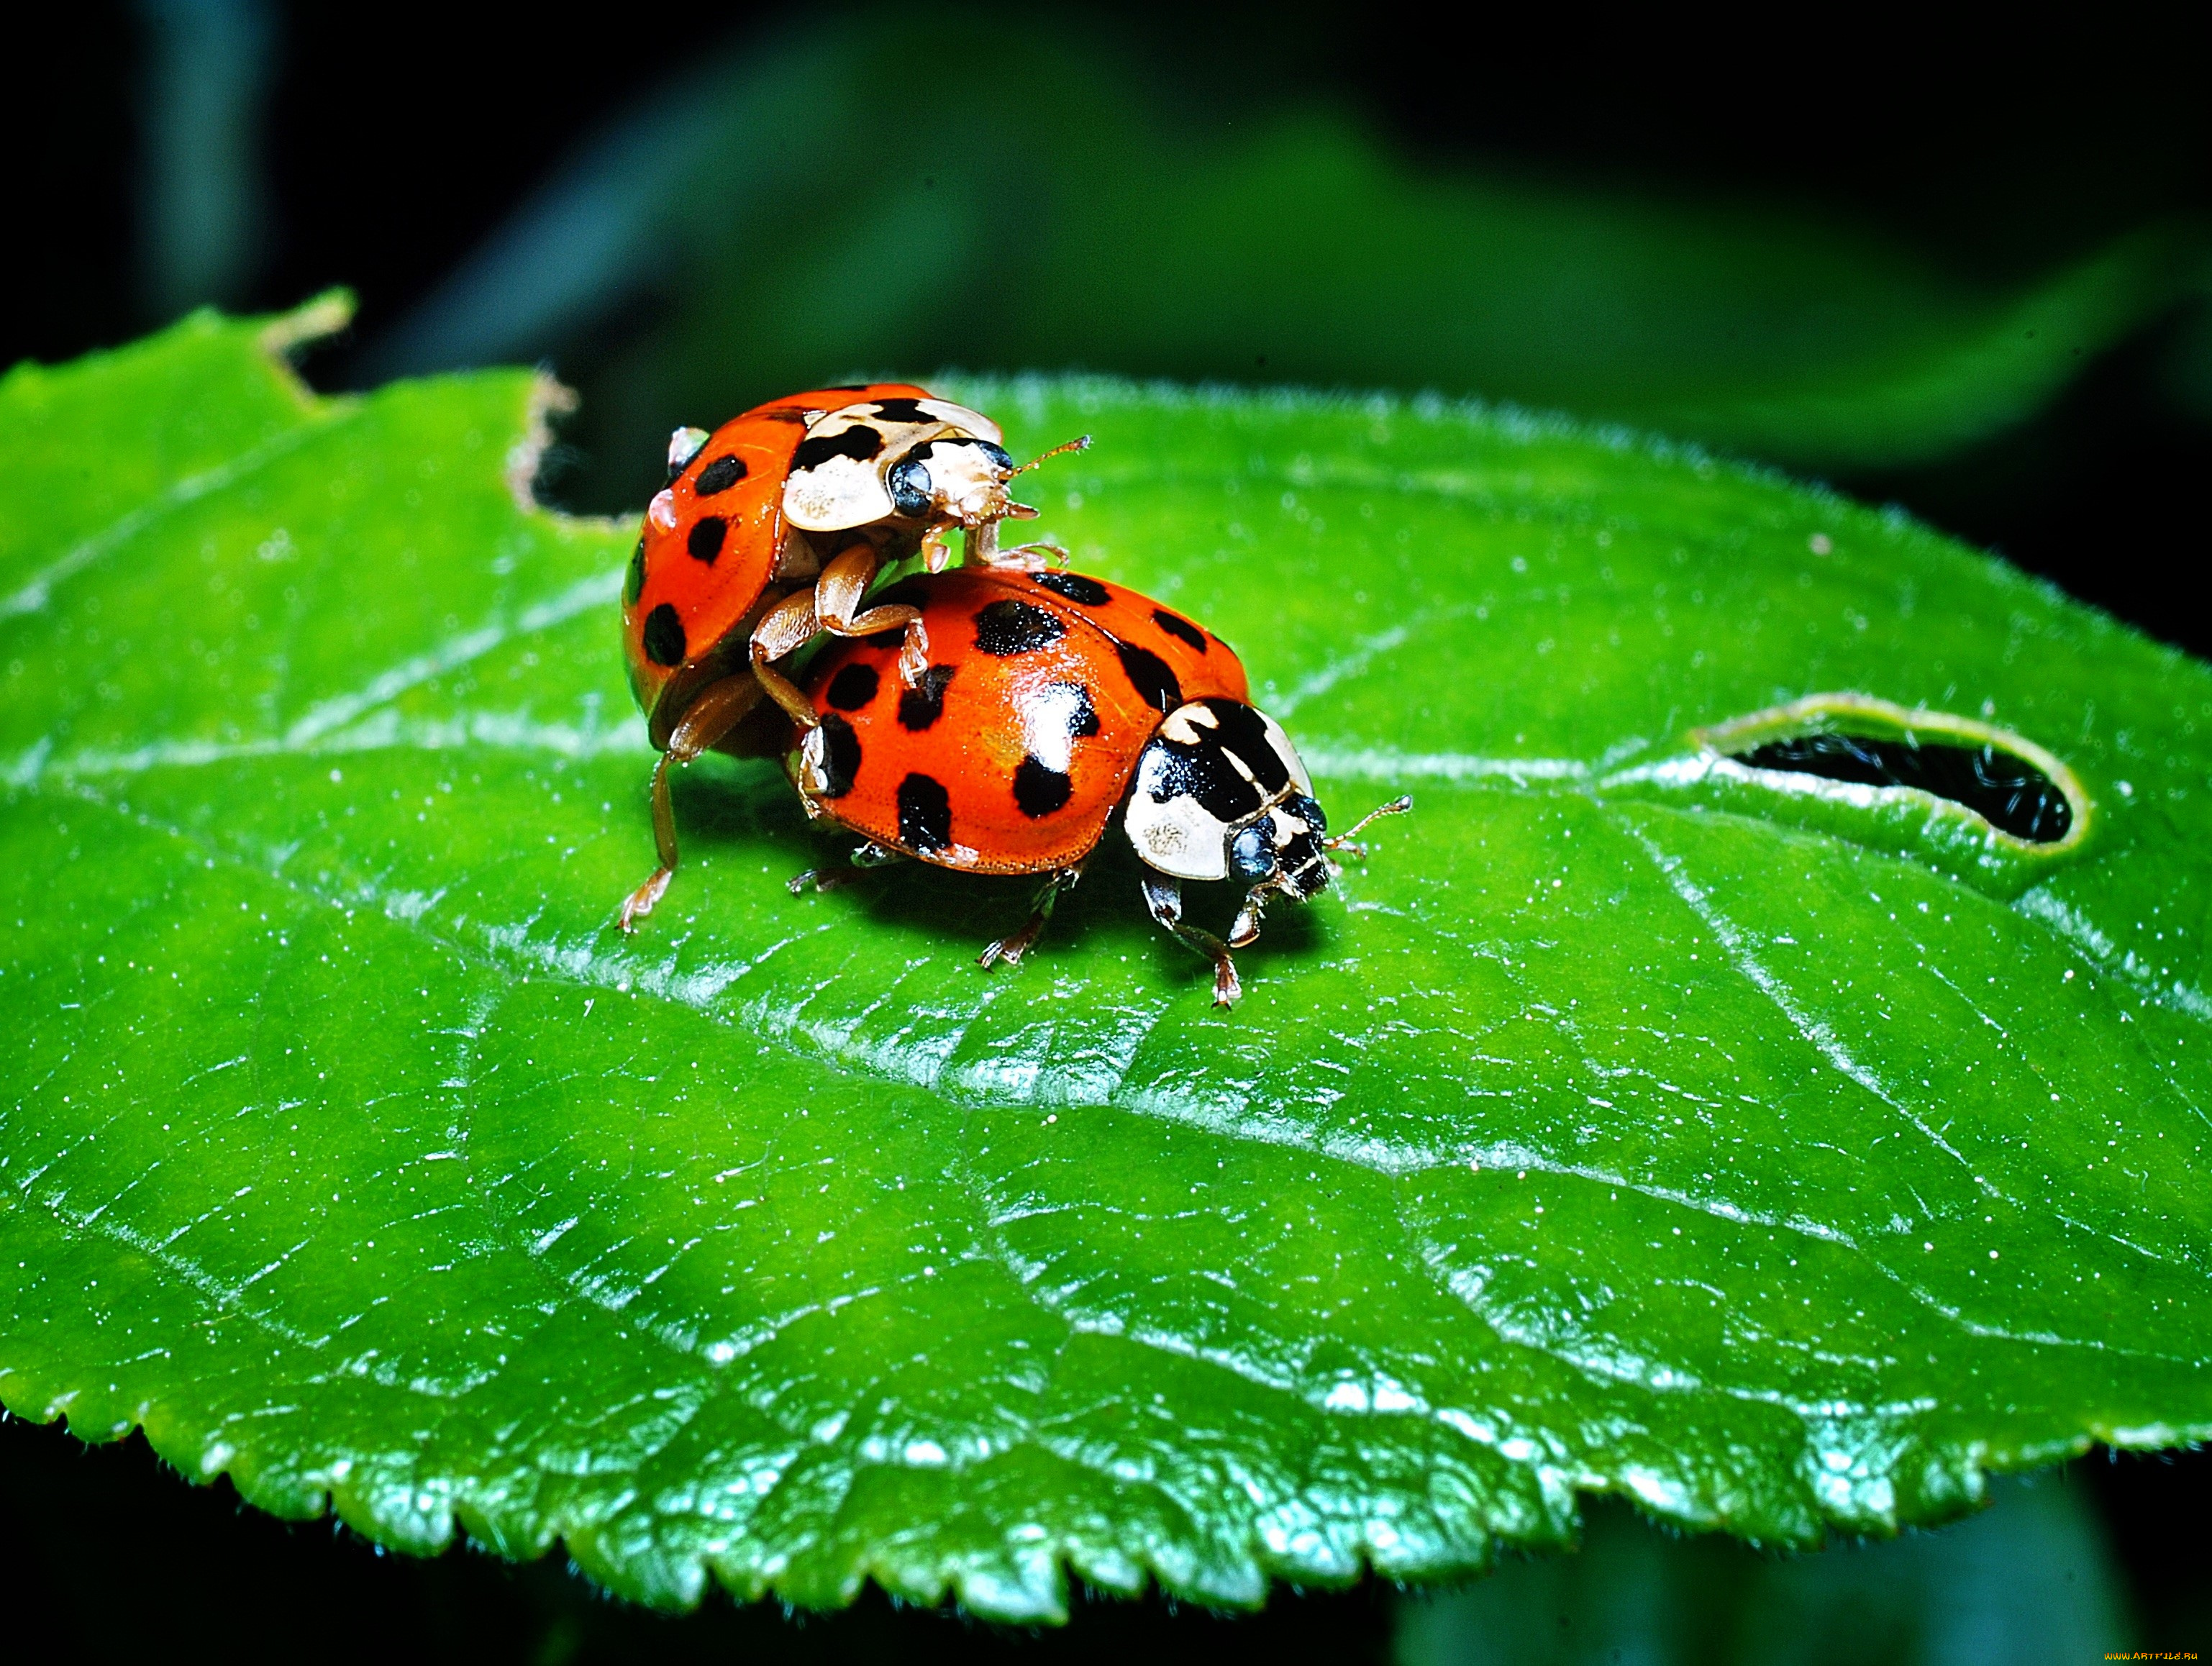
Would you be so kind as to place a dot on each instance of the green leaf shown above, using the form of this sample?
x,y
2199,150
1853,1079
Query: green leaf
x,y
1760,1147
1110,217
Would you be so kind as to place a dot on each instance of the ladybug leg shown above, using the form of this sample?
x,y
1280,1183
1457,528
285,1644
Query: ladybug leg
x,y
712,715
1011,949
983,543
1164,897
1031,558
936,550
1246,930
837,594
782,631
983,549
870,855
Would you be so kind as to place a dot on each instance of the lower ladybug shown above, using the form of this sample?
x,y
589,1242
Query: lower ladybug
x,y
1055,700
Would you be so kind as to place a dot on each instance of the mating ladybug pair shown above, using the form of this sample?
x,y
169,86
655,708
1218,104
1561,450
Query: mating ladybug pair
x,y
990,718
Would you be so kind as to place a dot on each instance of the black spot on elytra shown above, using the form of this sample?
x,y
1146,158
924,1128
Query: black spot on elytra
x,y
1005,628
1082,716
860,442
903,410
853,687
704,540
634,585
1179,628
664,636
841,756
1075,587
1040,790
719,476
925,813
919,707
909,483
1155,683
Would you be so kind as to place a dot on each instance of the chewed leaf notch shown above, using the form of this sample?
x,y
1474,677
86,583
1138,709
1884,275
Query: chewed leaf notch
x,y
1986,805
2005,790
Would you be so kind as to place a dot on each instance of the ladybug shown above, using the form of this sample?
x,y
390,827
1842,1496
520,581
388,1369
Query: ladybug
x,y
1052,701
920,466
772,529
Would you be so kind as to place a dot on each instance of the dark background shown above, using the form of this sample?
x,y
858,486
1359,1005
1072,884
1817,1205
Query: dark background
x,y
375,147
385,144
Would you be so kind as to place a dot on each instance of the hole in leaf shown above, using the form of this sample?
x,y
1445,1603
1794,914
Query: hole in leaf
x,y
2006,790
1986,806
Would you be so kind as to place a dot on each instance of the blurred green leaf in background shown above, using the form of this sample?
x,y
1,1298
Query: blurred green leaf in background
x,y
2028,1583
1080,208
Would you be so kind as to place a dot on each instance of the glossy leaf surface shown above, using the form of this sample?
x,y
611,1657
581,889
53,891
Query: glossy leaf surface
x,y
1629,1121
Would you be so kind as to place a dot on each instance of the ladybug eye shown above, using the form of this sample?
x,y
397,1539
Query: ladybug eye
x,y
1309,813
1252,856
910,485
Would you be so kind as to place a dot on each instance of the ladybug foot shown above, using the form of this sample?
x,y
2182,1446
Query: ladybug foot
x,y
1163,901
1010,949
1007,949
1031,558
821,879
640,902
1227,991
914,658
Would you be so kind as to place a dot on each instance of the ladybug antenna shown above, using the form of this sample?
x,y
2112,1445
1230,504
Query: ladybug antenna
x,y
1081,443
1397,807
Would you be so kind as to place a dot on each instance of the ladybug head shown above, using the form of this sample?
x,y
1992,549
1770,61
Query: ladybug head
x,y
1220,794
1281,849
876,460
956,477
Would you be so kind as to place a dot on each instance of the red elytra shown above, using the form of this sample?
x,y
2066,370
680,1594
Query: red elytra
x,y
697,584
1051,701
1041,690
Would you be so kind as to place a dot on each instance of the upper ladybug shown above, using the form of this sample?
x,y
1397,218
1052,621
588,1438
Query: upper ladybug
x,y
916,466
771,530
1052,700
